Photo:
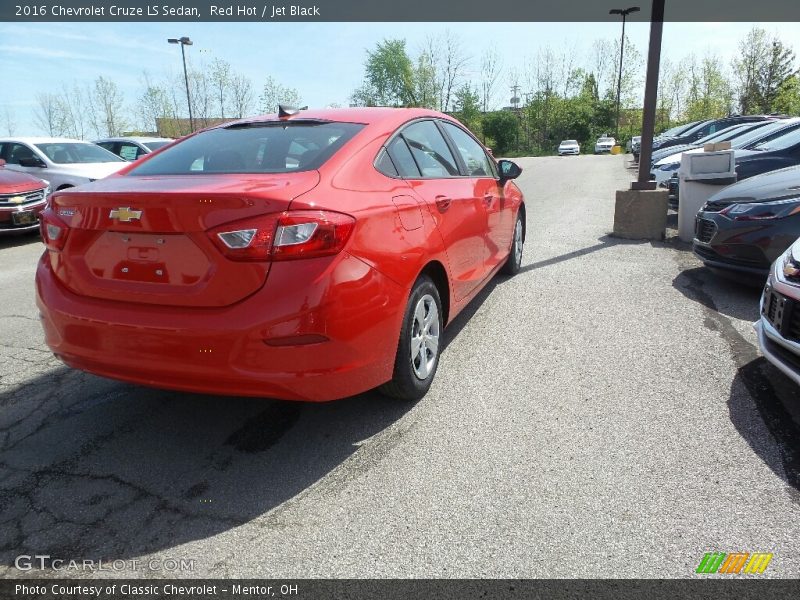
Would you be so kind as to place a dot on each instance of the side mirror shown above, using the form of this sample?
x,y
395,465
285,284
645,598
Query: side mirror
x,y
32,162
2,162
508,170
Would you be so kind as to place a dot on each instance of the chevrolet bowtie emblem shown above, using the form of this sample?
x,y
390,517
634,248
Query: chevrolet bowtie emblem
x,y
125,214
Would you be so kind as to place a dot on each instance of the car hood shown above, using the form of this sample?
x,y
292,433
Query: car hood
x,y
90,170
674,151
774,185
12,182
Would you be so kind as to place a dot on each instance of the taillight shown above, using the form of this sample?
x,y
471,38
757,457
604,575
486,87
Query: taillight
x,y
53,231
284,236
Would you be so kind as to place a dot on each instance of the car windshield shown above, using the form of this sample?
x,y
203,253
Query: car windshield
x,y
770,131
602,140
569,143
64,153
156,145
678,129
720,135
262,147
781,141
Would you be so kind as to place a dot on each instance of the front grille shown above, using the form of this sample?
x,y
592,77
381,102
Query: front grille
x,y
28,198
772,307
705,230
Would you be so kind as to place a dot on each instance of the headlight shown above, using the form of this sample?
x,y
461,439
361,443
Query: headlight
x,y
788,264
760,211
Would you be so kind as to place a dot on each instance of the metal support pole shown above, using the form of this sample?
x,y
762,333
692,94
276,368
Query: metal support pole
x,y
650,98
619,81
188,98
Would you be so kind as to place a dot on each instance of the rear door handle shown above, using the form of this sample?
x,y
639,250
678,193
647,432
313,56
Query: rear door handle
x,y
442,203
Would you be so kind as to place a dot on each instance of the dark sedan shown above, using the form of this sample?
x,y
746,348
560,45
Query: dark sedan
x,y
705,128
746,226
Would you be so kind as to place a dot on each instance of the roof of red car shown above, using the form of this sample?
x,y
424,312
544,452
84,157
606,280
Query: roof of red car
x,y
366,115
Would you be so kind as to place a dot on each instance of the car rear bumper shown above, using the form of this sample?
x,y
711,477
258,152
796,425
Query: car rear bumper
x,y
294,339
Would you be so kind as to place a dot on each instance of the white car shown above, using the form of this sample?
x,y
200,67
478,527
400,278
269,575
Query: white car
x,y
63,162
604,144
569,147
132,148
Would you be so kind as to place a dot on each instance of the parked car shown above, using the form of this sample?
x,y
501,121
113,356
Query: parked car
x,y
665,167
307,256
778,328
723,135
132,148
604,144
704,128
61,161
634,146
569,147
772,130
746,226
22,198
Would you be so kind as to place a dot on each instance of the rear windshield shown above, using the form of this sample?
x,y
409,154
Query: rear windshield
x,y
65,153
274,147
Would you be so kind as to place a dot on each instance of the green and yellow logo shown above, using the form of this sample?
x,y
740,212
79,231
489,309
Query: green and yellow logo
x,y
735,563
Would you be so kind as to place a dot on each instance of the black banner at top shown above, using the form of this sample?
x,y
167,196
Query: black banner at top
x,y
391,10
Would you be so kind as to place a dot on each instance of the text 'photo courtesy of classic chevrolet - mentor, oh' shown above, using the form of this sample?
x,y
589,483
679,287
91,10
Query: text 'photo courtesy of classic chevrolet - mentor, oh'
x,y
308,255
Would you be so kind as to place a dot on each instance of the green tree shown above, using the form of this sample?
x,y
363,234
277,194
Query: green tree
x,y
467,105
388,77
502,126
273,94
787,99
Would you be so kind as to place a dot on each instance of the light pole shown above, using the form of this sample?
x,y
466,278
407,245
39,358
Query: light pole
x,y
185,41
624,12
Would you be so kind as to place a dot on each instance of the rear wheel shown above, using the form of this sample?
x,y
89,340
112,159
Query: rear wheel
x,y
514,261
418,349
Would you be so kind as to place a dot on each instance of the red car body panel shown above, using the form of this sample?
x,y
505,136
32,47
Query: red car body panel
x,y
310,329
20,194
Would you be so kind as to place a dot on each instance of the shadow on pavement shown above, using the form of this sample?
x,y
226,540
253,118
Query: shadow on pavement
x,y
720,294
96,469
20,239
775,397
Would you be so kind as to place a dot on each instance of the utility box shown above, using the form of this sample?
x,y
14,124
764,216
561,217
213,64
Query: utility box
x,y
701,175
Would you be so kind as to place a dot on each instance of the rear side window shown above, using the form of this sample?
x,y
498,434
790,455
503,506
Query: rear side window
x,y
273,147
430,151
471,152
401,157
385,165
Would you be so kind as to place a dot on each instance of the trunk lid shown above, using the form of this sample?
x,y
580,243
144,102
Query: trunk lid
x,y
145,240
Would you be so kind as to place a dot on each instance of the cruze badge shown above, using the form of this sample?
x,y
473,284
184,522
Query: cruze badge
x,y
125,214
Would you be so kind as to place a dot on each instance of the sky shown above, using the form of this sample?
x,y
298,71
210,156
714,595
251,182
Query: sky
x,y
324,61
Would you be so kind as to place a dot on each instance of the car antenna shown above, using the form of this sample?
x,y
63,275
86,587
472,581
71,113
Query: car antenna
x,y
285,110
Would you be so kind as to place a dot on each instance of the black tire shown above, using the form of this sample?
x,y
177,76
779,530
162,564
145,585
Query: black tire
x,y
513,264
406,383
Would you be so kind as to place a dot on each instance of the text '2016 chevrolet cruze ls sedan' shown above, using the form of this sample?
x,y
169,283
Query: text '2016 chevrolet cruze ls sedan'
x,y
310,255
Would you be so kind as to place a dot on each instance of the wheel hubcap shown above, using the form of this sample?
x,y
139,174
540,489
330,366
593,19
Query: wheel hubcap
x,y
518,242
425,336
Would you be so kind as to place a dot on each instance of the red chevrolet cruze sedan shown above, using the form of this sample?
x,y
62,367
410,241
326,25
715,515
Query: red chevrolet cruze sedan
x,y
309,255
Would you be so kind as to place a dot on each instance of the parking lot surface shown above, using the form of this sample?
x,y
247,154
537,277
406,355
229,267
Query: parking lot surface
x,y
605,413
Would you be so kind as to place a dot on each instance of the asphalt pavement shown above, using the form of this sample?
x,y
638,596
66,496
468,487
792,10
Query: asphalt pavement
x,y
605,413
